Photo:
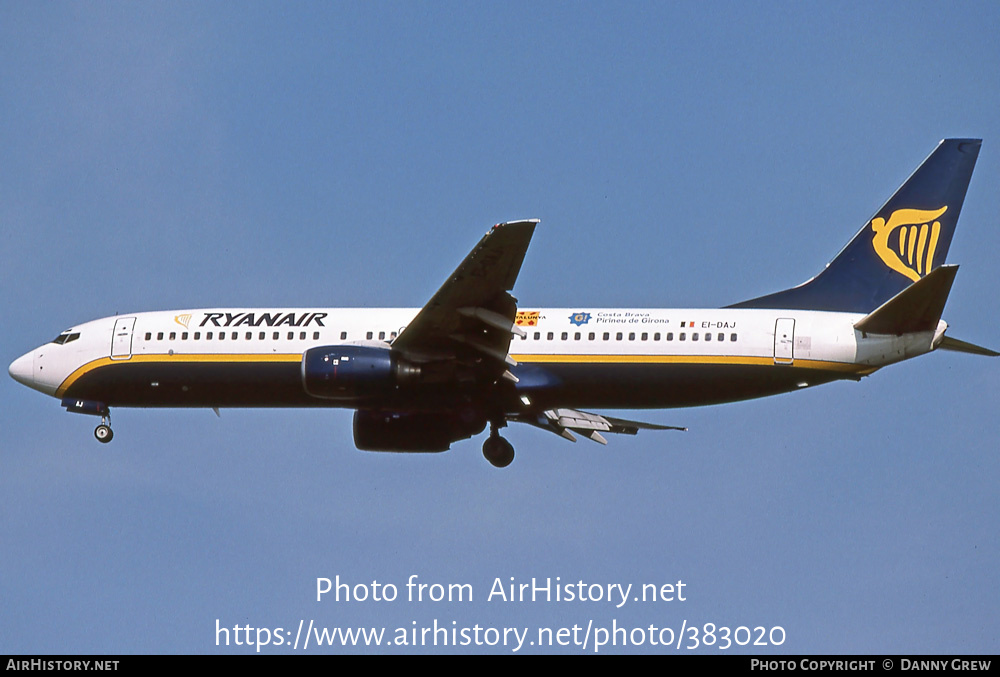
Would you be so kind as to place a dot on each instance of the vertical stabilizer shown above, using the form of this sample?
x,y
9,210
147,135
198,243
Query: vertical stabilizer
x,y
904,241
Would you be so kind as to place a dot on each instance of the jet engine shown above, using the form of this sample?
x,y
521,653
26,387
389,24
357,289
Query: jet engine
x,y
414,431
349,372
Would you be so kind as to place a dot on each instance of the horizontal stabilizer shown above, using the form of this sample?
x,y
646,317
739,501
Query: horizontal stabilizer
x,y
916,308
948,343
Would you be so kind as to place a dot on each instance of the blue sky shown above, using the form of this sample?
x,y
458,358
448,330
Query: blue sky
x,y
184,155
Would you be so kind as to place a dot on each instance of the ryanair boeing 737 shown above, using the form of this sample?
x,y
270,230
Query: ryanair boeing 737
x,y
421,379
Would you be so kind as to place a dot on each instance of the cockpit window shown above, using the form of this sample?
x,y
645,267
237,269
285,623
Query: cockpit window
x,y
66,337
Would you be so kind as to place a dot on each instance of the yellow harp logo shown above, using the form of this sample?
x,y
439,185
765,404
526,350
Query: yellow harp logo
x,y
183,319
911,251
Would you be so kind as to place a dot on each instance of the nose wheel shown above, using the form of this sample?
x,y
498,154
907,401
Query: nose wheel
x,y
497,450
103,432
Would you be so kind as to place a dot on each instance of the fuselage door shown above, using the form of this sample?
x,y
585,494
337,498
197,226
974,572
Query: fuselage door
x,y
121,339
784,338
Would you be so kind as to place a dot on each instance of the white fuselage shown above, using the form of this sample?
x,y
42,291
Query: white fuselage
x,y
598,357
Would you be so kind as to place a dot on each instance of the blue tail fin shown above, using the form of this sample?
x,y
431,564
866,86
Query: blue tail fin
x,y
905,239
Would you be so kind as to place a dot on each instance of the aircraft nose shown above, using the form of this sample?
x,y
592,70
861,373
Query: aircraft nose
x,y
20,370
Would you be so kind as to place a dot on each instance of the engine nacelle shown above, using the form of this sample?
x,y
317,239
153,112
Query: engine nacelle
x,y
414,432
350,372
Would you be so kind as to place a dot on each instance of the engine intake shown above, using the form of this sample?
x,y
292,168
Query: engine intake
x,y
352,372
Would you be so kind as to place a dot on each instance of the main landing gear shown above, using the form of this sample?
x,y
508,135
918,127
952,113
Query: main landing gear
x,y
103,432
497,450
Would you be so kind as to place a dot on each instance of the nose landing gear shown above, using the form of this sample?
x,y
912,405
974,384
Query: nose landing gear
x,y
103,432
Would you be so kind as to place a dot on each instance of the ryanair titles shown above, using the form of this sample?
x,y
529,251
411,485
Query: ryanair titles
x,y
279,319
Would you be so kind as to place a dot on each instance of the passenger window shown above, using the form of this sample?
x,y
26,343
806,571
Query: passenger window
x,y
184,336
274,337
369,335
235,335
538,335
173,335
222,336
708,336
721,336
576,336
631,336
670,336
148,336
550,335
343,336
291,335
159,336
381,336
607,336
656,336
565,336
644,336
315,335
249,335
197,335
208,336
682,336
732,337
302,336
260,337
694,336
618,336
590,336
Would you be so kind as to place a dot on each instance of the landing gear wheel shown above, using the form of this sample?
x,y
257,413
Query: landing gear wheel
x,y
103,433
498,451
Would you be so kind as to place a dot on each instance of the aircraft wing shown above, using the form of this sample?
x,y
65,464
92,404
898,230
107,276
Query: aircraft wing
x,y
563,421
472,315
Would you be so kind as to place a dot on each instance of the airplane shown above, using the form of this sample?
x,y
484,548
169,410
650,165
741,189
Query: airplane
x,y
420,380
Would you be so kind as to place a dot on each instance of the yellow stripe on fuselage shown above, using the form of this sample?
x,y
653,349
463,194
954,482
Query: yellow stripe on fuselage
x,y
690,359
